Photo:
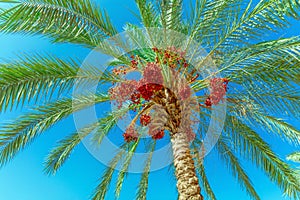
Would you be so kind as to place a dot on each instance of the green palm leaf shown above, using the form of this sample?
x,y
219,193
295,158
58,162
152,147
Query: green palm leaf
x,y
235,167
102,188
125,165
61,153
143,184
148,14
37,76
15,136
251,146
100,129
285,130
209,14
263,61
265,16
171,14
203,178
77,21
253,114
278,101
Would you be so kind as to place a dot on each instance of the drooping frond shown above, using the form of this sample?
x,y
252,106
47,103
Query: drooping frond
x,y
282,128
125,165
252,113
235,167
37,76
294,157
16,135
99,129
279,101
62,152
251,146
77,21
102,188
143,184
109,121
203,178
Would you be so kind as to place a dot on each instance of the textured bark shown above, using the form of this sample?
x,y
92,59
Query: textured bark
x,y
187,180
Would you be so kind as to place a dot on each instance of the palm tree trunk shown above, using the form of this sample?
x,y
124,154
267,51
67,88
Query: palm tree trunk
x,y
187,180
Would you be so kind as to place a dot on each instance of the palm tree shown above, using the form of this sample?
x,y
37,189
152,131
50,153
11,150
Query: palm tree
x,y
263,80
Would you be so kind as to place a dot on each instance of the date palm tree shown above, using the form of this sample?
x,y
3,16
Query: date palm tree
x,y
262,78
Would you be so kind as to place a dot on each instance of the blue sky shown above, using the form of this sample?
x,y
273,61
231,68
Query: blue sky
x,y
23,178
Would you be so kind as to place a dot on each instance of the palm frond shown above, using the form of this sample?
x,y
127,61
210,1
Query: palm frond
x,y
34,76
149,15
143,184
171,13
139,41
253,113
109,121
237,23
260,48
284,129
251,146
62,152
208,15
272,73
125,165
77,21
16,135
235,167
195,17
102,188
100,129
280,101
275,60
253,23
203,178
205,183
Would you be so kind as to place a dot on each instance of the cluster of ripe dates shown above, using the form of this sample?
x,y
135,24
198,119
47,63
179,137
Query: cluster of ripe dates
x,y
141,92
